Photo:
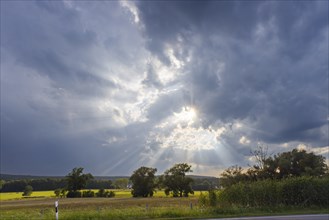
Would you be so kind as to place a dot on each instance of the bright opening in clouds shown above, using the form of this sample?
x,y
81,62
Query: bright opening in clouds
x,y
114,85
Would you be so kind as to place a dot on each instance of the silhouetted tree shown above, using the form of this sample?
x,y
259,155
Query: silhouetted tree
x,y
143,182
76,181
28,190
232,175
283,165
175,180
297,163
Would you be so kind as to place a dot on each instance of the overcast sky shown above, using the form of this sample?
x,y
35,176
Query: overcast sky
x,y
111,85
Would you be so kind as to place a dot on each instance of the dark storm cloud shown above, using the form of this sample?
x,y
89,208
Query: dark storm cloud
x,y
90,84
31,41
275,55
54,79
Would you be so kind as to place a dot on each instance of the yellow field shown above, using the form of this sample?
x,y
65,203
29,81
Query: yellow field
x,y
18,195
49,194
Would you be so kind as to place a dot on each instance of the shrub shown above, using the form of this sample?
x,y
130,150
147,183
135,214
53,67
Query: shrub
x,y
300,191
111,194
209,199
105,193
57,192
88,193
28,190
73,194
63,193
212,198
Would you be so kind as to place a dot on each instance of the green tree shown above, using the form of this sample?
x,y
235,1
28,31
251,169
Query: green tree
x,y
287,164
175,180
63,193
2,182
57,192
76,181
298,163
232,175
27,190
121,183
143,180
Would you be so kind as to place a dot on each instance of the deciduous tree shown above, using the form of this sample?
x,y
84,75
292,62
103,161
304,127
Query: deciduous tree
x,y
143,180
175,180
76,180
28,190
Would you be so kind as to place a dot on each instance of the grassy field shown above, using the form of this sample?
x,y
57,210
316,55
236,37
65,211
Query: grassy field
x,y
123,206
99,208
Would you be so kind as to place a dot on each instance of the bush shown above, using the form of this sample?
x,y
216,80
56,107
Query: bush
x,y
300,191
28,190
105,193
111,194
63,193
73,194
203,200
88,193
209,199
57,192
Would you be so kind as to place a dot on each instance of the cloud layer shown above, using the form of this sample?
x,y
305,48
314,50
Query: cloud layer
x,y
112,86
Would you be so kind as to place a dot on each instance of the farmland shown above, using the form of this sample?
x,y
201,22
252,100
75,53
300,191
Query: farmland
x,y
122,206
50,194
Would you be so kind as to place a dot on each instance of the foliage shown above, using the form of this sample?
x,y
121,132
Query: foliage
x,y
88,194
298,191
60,192
175,180
76,180
209,199
57,192
37,184
14,186
296,163
2,182
283,165
73,194
63,193
27,190
143,180
204,183
121,183
232,175
105,193
99,184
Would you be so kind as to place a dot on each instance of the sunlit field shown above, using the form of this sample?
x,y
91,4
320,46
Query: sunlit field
x,y
18,195
50,194
41,206
122,206
128,208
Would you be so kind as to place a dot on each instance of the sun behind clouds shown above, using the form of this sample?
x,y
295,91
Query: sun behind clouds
x,y
187,115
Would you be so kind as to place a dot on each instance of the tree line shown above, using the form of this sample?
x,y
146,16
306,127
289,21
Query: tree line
x,y
50,184
283,165
143,182
294,178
